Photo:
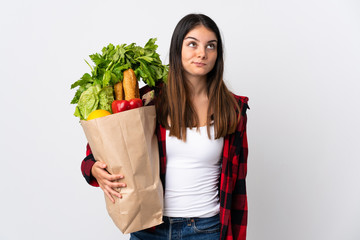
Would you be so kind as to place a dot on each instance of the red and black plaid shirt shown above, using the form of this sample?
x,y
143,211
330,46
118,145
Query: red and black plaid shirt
x,y
232,187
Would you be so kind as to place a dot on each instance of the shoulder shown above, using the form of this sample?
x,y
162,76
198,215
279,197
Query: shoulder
x,y
243,102
243,105
241,99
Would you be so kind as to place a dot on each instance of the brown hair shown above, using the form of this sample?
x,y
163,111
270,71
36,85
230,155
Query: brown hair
x,y
174,102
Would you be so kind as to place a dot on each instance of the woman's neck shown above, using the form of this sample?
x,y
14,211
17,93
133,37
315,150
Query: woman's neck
x,y
199,98
197,86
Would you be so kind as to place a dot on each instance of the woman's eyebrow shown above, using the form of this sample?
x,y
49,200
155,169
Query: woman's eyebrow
x,y
198,40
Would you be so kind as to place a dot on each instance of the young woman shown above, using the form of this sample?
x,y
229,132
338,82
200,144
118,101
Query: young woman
x,y
202,142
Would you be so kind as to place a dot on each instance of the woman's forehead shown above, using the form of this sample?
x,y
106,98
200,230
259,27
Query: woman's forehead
x,y
201,33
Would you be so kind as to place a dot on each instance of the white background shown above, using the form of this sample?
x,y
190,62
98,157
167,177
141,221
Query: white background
x,y
297,61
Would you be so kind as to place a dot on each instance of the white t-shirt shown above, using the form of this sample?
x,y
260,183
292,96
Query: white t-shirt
x,y
192,174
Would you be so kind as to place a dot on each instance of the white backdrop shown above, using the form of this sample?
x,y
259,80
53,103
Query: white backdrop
x,y
297,61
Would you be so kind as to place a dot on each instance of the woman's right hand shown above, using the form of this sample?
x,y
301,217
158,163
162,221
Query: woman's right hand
x,y
107,182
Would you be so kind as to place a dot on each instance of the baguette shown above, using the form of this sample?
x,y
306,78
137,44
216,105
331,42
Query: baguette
x,y
130,85
119,91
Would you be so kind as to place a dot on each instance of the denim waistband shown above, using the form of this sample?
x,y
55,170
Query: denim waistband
x,y
182,219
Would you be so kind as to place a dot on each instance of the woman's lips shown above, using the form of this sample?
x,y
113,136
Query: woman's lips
x,y
199,64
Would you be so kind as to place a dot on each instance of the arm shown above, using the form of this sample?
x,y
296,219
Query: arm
x,y
239,207
96,175
86,166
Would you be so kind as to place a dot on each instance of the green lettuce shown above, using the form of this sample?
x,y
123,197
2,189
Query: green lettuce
x,y
88,102
106,97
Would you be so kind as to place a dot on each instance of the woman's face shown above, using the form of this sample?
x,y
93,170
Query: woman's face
x,y
199,52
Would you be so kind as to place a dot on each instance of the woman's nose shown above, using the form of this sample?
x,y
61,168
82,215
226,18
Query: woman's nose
x,y
201,53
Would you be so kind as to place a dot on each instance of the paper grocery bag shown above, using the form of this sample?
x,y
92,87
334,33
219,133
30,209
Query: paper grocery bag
x,y
127,143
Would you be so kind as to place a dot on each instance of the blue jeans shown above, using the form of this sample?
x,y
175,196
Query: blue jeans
x,y
182,229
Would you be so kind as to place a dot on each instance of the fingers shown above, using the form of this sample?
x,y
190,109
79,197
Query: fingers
x,y
115,185
109,196
99,171
109,190
110,193
109,183
113,188
114,177
100,164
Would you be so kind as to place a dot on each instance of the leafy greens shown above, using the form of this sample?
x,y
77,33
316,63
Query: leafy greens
x,y
95,90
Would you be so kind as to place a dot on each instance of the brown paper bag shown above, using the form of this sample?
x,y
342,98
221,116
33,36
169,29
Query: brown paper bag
x,y
127,143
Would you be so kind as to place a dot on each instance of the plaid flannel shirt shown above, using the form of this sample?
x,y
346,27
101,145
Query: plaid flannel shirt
x,y
232,187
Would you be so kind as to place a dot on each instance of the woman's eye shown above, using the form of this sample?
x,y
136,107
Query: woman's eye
x,y
211,46
192,44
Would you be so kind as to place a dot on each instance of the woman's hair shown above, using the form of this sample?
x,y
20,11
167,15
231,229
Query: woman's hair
x,y
174,108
